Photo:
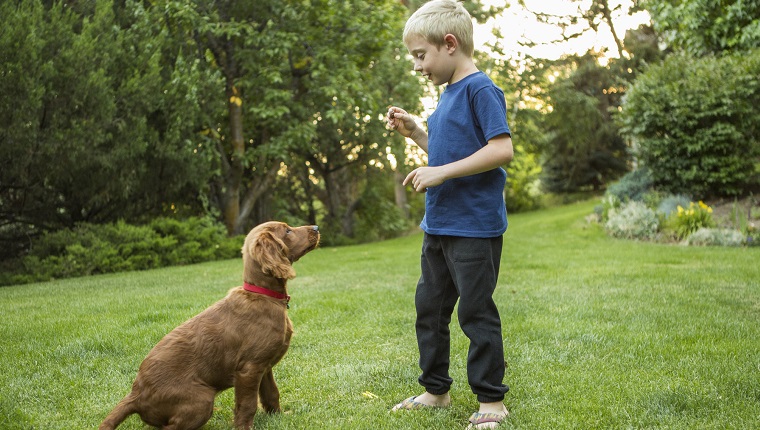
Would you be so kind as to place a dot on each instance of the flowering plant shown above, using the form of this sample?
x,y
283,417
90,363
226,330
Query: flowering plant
x,y
687,221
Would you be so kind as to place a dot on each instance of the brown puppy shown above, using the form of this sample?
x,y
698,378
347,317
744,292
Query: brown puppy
x,y
233,343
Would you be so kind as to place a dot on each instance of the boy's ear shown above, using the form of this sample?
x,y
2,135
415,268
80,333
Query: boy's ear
x,y
451,42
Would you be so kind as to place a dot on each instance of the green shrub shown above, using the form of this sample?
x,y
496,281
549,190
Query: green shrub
x,y
633,220
695,123
199,239
633,186
523,191
716,237
687,221
105,248
388,222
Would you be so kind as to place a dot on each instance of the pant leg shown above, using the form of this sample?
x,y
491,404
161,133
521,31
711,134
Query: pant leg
x,y
475,263
435,299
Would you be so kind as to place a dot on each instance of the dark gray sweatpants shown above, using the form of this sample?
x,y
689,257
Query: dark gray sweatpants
x,y
465,269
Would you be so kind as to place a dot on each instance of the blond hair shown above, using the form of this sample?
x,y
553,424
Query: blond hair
x,y
437,18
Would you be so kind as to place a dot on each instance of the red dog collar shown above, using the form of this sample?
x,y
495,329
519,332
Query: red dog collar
x,y
261,290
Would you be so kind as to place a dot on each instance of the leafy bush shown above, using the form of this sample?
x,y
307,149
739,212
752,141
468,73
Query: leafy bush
x,y
523,191
695,123
633,186
687,221
716,237
383,220
104,248
198,239
633,220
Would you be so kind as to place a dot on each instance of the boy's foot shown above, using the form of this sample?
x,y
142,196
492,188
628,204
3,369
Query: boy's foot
x,y
489,416
424,400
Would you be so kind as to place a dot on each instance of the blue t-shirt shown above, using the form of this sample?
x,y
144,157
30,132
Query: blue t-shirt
x,y
469,113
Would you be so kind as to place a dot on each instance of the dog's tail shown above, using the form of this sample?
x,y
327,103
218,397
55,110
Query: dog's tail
x,y
125,408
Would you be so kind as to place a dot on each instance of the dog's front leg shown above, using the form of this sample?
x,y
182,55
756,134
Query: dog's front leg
x,y
270,395
247,382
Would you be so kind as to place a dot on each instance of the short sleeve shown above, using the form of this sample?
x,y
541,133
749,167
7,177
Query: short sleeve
x,y
490,110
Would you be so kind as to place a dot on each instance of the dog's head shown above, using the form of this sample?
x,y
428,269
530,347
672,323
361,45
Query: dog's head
x,y
271,248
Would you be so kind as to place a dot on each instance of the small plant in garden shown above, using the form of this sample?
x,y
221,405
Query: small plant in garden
x,y
633,220
610,202
716,237
743,222
687,221
753,235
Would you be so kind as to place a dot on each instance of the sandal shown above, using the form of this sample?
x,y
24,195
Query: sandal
x,y
479,418
410,404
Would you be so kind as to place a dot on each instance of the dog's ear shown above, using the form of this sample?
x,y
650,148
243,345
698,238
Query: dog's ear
x,y
272,254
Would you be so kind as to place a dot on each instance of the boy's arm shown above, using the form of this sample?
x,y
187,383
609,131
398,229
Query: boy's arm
x,y
399,120
496,153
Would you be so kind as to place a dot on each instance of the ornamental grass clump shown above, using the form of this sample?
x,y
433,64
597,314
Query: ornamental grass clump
x,y
687,221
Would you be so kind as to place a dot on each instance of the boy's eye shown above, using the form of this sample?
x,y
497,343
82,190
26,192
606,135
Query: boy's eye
x,y
421,56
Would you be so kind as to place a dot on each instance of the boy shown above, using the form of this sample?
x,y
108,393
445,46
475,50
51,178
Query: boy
x,y
465,214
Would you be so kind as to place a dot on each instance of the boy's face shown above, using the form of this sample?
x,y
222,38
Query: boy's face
x,y
434,62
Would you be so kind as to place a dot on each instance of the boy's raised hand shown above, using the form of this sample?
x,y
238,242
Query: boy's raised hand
x,y
400,120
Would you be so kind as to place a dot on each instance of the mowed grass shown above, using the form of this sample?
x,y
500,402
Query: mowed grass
x,y
598,332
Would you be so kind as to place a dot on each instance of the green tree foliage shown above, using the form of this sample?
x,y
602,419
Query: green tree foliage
x,y
568,106
357,66
305,86
584,149
92,126
703,27
524,81
250,126
695,123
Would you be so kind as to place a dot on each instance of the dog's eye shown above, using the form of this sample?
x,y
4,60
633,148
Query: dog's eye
x,y
288,231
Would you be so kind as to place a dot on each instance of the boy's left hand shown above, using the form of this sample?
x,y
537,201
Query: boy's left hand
x,y
423,178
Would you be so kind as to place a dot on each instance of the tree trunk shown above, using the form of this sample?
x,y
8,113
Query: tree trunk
x,y
234,174
256,189
400,192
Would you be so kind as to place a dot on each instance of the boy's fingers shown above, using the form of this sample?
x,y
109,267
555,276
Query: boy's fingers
x,y
409,177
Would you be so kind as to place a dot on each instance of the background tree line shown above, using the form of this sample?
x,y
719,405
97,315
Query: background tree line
x,y
247,111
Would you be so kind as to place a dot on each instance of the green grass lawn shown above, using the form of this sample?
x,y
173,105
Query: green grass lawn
x,y
599,333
